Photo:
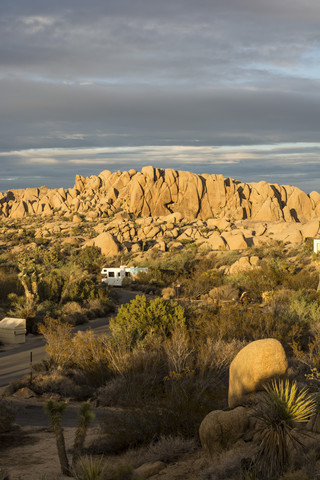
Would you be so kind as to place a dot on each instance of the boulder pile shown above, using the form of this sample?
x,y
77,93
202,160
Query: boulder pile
x,y
133,211
158,192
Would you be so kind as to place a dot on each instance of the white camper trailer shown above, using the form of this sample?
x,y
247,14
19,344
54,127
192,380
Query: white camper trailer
x,y
114,276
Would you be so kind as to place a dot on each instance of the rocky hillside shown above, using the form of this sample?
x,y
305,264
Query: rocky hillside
x,y
156,192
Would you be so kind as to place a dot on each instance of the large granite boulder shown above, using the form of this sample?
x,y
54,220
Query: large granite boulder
x,y
254,365
105,241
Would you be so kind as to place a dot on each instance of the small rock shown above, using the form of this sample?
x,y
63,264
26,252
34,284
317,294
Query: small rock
x,y
24,392
149,469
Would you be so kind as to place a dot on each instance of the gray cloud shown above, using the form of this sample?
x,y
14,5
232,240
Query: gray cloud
x,y
279,163
79,74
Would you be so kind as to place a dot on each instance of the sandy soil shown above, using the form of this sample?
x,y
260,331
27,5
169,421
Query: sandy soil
x,y
31,454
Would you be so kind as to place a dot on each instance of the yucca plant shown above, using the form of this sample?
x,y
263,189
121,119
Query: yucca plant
x,y
89,468
280,410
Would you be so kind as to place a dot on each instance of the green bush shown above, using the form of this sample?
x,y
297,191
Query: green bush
x,y
9,283
143,317
89,258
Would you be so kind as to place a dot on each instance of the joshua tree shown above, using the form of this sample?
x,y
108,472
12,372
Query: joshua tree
x,y
55,413
86,416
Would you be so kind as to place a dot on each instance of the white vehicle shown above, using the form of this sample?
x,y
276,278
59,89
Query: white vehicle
x,y
114,276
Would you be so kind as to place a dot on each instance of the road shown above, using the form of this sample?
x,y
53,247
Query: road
x,y
15,363
15,359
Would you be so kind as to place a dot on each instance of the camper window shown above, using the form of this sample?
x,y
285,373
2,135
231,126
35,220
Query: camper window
x,y
128,274
111,274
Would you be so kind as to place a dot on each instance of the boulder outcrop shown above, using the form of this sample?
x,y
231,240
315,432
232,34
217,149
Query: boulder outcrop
x,y
162,192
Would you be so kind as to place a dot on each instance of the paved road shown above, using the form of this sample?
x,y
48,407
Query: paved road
x,y
15,363
15,360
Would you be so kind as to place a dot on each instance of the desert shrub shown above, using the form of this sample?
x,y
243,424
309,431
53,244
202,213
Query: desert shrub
x,y
188,398
240,322
308,354
98,308
138,377
24,307
227,258
181,263
176,407
303,309
279,411
85,351
7,416
166,449
201,283
51,286
73,313
132,427
143,316
154,279
89,258
215,355
231,465
47,308
58,336
301,280
255,282
297,475
9,283
178,350
91,355
59,382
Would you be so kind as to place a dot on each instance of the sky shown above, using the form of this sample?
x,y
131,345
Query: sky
x,y
229,87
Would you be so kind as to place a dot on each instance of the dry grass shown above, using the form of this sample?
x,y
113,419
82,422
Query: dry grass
x,y
167,449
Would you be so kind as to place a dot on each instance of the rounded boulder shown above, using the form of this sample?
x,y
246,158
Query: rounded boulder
x,y
253,366
220,430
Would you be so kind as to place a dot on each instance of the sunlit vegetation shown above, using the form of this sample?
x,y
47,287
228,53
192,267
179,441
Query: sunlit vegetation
x,y
164,362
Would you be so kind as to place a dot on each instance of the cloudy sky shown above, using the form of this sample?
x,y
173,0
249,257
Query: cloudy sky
x,y
210,86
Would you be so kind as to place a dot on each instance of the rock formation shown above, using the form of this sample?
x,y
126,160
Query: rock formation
x,y
160,192
253,366
220,430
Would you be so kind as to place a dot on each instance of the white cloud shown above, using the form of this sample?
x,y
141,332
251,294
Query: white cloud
x,y
43,160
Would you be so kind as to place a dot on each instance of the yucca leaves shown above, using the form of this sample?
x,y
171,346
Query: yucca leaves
x,y
89,468
294,405
283,406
